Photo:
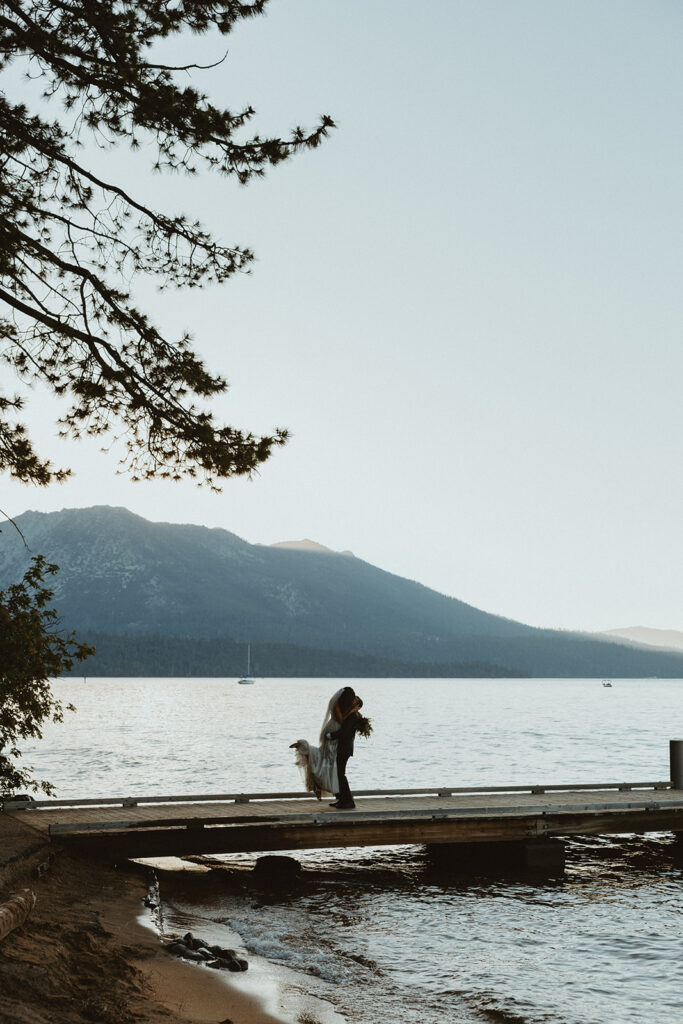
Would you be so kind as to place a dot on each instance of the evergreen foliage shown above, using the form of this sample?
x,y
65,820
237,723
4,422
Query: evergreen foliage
x,y
32,651
223,657
71,240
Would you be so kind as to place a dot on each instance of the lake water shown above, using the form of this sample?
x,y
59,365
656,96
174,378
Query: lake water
x,y
391,934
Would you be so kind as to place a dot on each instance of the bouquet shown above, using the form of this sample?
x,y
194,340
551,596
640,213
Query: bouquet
x,y
364,727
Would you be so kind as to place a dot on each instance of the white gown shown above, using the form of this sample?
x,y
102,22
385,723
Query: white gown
x,y
319,764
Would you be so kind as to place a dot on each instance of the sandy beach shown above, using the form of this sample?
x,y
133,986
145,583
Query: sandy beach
x,y
89,952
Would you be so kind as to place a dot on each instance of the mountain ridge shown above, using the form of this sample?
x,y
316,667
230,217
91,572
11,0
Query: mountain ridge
x,y
122,575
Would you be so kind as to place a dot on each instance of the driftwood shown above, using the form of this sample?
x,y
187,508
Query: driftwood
x,y
15,911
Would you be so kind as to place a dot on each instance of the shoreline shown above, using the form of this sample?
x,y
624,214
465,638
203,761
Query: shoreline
x,y
282,991
91,950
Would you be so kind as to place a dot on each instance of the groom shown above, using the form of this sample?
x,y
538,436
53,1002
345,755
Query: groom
x,y
346,734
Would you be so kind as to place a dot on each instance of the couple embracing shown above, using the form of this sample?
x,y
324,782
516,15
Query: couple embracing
x,y
324,766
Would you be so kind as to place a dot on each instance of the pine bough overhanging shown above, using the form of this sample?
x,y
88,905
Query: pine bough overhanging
x,y
71,241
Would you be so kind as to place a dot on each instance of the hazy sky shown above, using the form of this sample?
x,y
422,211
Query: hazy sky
x,y
467,306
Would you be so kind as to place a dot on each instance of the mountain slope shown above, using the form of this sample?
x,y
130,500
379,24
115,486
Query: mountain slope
x,y
122,575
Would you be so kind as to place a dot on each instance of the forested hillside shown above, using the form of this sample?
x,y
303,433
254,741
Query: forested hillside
x,y
122,576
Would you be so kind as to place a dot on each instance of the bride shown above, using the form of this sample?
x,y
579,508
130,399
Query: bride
x,y
319,764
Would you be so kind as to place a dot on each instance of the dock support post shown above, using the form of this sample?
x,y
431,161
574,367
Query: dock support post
x,y
676,763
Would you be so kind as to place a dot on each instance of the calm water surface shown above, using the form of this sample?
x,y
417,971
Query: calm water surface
x,y
391,934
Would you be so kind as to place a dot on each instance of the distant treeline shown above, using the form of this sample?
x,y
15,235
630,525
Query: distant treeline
x,y
118,655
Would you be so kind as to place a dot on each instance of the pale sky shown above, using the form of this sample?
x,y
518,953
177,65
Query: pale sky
x,y
467,305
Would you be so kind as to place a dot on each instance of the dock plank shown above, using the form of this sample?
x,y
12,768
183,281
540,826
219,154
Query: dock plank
x,y
127,828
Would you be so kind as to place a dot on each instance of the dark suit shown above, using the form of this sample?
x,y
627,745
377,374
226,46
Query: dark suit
x,y
346,734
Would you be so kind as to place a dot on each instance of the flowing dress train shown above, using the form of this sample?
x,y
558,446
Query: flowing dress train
x,y
319,764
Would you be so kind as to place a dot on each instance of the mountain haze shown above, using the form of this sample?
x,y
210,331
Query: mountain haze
x,y
124,576
669,639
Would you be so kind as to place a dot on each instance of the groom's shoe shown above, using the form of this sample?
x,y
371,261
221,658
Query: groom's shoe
x,y
335,803
345,807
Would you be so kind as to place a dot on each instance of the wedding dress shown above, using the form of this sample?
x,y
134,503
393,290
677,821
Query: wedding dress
x,y
319,764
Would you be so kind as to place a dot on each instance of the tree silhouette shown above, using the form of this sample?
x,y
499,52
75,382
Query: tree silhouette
x,y
32,651
71,241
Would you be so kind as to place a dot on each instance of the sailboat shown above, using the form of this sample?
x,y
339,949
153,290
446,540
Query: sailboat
x,y
247,680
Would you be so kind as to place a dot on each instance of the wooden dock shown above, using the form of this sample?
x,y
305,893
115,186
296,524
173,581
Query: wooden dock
x,y
165,826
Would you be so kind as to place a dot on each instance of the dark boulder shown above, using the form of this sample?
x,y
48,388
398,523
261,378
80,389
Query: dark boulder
x,y
277,872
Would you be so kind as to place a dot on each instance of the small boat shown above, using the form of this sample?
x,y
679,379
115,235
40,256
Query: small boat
x,y
607,682
247,680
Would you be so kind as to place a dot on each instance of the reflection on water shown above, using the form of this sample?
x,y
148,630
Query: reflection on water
x,y
395,934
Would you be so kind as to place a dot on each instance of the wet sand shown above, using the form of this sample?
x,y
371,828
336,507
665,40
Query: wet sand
x,y
86,954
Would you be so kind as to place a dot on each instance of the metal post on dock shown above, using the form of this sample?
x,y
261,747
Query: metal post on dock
x,y
676,762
